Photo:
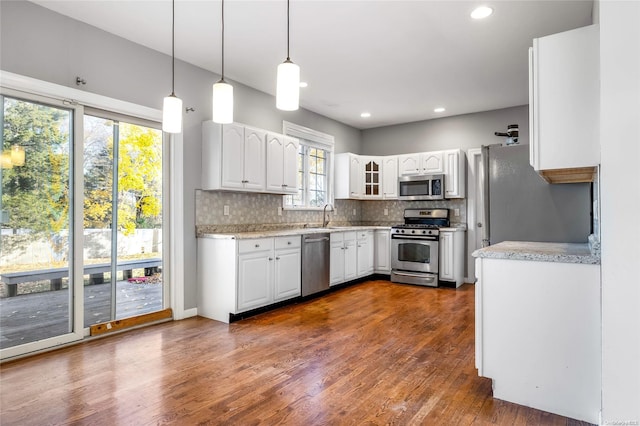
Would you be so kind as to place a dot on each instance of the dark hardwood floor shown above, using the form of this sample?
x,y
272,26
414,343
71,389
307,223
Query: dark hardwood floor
x,y
370,354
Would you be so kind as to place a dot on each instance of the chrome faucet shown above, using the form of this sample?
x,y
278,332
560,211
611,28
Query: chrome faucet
x,y
325,220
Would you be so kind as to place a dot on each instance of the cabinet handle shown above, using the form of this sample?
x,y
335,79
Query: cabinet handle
x,y
288,243
277,258
245,181
257,245
271,258
284,185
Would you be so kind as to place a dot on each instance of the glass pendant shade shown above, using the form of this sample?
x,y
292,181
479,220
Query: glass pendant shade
x,y
17,155
222,102
172,114
288,86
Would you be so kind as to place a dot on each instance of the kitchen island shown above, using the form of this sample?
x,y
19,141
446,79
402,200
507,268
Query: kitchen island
x,y
538,325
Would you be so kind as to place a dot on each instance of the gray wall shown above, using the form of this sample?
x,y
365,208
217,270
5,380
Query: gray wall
x,y
39,43
462,131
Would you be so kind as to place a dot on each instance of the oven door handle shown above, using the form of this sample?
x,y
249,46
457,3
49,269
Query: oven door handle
x,y
417,237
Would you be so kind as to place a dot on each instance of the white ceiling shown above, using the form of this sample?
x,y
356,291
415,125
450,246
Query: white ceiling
x,y
397,60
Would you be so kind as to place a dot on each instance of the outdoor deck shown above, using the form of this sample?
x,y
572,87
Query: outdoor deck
x,y
31,317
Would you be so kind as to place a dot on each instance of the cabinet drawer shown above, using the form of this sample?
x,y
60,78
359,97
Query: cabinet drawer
x,y
336,237
350,236
255,245
292,241
362,235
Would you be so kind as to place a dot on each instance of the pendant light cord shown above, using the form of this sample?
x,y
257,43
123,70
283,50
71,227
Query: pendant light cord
x,y
288,58
222,75
173,47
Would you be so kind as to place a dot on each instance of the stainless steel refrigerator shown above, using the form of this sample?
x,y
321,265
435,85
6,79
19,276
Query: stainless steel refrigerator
x,y
521,206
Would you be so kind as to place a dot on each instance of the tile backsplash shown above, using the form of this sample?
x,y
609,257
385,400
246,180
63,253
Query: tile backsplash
x,y
251,209
374,210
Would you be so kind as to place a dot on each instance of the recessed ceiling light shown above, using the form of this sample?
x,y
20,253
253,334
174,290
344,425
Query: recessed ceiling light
x,y
481,12
303,84
365,115
439,109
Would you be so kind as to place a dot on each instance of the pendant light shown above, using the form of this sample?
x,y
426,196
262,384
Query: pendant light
x,y
288,81
172,106
222,92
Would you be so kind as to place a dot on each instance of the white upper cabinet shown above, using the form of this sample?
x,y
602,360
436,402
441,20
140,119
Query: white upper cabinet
x,y
231,144
455,166
282,166
409,164
355,176
390,177
348,176
432,162
254,158
236,157
421,163
290,173
564,105
376,177
233,157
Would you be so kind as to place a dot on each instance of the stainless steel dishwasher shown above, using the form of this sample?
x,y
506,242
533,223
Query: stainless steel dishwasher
x,y
315,263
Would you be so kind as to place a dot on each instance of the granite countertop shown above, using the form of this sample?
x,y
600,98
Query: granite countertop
x,y
455,227
540,252
265,233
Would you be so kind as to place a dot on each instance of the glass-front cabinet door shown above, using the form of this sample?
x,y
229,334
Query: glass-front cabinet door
x,y
372,177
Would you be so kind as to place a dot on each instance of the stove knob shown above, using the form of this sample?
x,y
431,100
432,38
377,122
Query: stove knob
x,y
402,231
424,232
413,232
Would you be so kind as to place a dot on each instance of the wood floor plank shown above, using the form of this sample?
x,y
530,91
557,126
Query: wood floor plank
x,y
370,354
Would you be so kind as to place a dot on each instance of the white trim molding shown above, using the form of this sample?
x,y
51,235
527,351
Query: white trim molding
x,y
176,225
56,91
298,131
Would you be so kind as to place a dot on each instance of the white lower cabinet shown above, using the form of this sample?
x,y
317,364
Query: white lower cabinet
x,y
336,258
288,260
343,257
236,276
382,251
255,273
538,334
351,255
451,267
364,250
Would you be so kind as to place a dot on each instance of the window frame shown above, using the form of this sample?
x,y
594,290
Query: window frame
x,y
312,139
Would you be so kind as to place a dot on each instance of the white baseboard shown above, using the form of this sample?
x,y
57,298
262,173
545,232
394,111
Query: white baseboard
x,y
188,313
469,280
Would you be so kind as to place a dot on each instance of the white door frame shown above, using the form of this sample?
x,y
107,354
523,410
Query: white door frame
x,y
474,201
175,255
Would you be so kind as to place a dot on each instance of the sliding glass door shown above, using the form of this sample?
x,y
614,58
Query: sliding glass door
x,y
37,229
81,220
122,218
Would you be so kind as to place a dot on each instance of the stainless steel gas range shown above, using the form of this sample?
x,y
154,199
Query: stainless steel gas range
x,y
414,246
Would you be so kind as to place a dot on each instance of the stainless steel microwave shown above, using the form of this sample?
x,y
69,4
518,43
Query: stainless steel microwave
x,y
421,187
